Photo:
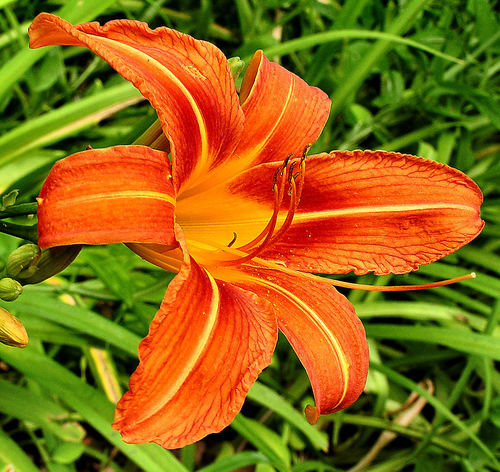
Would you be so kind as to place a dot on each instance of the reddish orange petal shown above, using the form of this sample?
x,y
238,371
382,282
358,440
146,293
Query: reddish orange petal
x,y
282,113
324,331
205,348
101,196
368,211
187,81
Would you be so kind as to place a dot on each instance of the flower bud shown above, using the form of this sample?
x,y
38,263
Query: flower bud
x,y
51,262
21,258
10,289
236,65
12,332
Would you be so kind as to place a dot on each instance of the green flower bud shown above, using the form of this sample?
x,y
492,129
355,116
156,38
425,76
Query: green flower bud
x,y
52,261
236,65
10,289
12,332
21,258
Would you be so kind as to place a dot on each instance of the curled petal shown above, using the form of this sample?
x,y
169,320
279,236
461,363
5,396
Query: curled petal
x,y
205,348
187,81
324,331
367,211
101,196
283,114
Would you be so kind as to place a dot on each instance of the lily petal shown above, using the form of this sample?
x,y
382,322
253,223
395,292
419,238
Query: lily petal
x,y
101,196
324,331
283,114
205,348
187,81
366,211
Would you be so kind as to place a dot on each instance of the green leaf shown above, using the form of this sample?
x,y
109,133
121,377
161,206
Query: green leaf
x,y
65,121
460,340
66,453
89,403
12,454
265,440
268,398
75,11
28,406
236,462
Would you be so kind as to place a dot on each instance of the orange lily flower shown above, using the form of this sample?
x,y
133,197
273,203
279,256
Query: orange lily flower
x,y
235,213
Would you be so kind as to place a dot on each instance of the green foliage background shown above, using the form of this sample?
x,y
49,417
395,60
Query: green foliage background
x,y
416,76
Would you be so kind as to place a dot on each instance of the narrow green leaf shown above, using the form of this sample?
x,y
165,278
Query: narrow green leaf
x,y
12,454
438,406
78,318
236,462
65,121
306,42
267,397
75,11
409,14
91,404
28,406
460,340
265,440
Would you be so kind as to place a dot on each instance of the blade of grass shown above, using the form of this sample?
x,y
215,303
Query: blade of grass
x,y
268,398
265,440
460,340
77,318
28,406
12,454
312,40
406,18
65,121
438,406
75,11
236,462
91,404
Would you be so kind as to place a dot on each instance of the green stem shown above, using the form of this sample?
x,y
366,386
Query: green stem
x,y
20,231
19,210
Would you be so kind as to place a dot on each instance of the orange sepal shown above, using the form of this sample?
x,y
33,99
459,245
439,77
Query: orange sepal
x,y
283,114
101,196
187,81
368,211
205,348
323,329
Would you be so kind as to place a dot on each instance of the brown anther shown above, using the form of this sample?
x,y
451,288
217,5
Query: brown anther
x,y
89,147
290,172
306,150
232,240
285,163
275,178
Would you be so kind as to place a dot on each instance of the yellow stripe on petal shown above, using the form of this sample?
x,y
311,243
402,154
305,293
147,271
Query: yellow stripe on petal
x,y
328,335
151,62
318,215
118,195
103,196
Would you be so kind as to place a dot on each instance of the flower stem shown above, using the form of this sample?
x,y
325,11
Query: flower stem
x,y
19,210
20,231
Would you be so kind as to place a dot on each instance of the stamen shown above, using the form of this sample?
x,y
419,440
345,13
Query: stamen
x,y
290,214
262,263
268,232
268,235
285,163
403,288
270,227
366,287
